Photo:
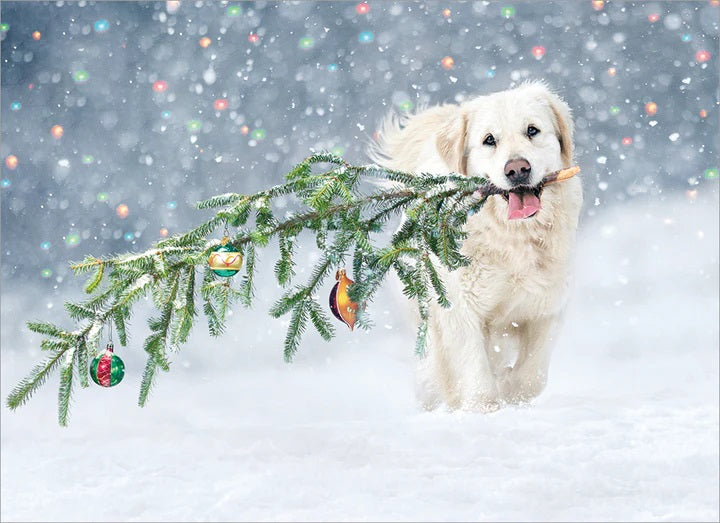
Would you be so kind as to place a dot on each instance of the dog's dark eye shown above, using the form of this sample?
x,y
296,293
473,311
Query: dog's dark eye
x,y
532,131
489,140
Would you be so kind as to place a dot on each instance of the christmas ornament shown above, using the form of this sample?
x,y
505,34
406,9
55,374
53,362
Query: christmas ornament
x,y
225,261
107,369
340,304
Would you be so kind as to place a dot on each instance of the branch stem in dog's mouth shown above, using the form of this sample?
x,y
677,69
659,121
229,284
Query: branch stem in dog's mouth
x,y
524,201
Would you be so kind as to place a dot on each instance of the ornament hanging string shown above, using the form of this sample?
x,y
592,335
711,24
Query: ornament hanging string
x,y
226,235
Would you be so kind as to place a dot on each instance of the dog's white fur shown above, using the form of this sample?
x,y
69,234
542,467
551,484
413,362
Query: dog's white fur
x,y
493,346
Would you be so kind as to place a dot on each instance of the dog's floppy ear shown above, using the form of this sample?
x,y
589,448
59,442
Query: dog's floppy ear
x,y
450,141
563,126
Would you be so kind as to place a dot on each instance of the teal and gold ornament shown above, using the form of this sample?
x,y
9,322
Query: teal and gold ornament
x,y
225,260
107,369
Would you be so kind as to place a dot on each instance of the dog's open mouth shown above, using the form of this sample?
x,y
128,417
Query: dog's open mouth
x,y
523,202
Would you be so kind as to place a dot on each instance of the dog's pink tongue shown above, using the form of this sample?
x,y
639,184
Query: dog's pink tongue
x,y
522,205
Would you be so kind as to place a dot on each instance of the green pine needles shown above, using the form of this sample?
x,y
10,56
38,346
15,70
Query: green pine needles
x,y
343,220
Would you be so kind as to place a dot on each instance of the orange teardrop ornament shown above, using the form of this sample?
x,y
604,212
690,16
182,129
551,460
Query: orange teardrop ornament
x,y
340,304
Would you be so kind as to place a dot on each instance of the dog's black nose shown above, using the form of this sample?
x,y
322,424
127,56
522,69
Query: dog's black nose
x,y
518,171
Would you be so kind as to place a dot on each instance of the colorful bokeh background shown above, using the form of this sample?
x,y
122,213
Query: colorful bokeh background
x,y
118,116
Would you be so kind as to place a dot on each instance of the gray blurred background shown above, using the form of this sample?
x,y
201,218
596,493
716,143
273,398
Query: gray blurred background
x,y
315,75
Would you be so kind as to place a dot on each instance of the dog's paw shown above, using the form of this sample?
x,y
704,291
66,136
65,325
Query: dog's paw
x,y
516,390
429,403
489,407
484,403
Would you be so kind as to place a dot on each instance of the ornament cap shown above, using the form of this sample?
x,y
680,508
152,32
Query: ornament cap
x,y
110,347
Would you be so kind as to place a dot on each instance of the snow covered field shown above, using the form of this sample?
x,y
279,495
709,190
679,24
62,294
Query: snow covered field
x,y
159,104
627,429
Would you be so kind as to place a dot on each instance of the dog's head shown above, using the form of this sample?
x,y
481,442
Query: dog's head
x,y
513,139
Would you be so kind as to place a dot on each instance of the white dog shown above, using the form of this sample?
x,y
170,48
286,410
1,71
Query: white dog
x,y
493,345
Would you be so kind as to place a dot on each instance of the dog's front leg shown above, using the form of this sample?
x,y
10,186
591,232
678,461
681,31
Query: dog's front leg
x,y
528,377
458,361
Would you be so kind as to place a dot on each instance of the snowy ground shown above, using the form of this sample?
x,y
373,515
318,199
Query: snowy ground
x,y
627,429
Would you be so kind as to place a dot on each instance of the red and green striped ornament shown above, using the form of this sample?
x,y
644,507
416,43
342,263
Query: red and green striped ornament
x,y
107,369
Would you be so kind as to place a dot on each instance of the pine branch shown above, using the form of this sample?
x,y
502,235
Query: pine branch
x,y
342,220
52,345
79,312
436,282
81,355
119,316
185,315
65,391
298,321
148,380
321,321
40,373
96,279
47,329
247,290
